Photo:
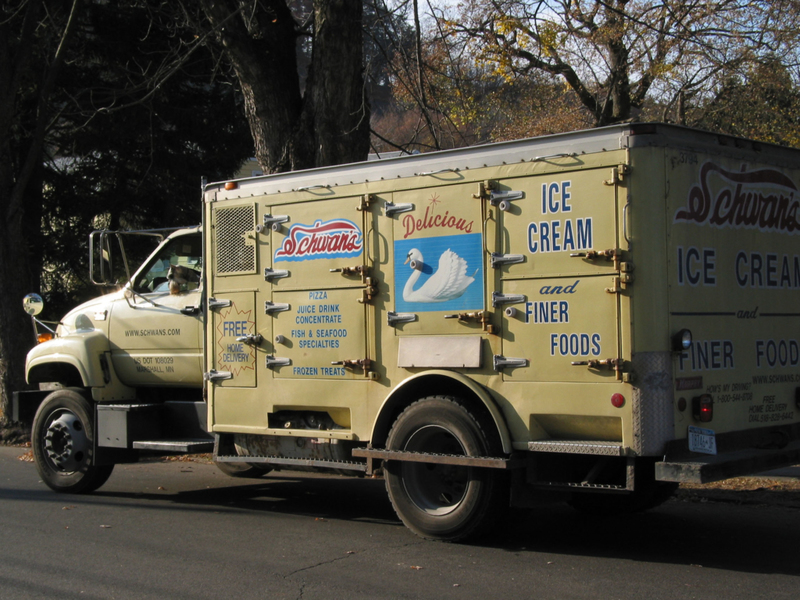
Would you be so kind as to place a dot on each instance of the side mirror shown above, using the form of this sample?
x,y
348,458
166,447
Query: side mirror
x,y
33,304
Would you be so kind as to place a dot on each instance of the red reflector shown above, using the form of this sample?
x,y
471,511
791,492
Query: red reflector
x,y
618,400
703,408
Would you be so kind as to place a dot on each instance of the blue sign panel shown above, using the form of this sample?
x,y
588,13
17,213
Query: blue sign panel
x,y
439,273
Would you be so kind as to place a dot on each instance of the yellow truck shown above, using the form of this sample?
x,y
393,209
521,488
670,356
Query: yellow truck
x,y
589,317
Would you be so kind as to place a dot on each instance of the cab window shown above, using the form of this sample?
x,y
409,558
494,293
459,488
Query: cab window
x,y
185,251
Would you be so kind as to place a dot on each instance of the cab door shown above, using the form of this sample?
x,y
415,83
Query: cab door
x,y
156,334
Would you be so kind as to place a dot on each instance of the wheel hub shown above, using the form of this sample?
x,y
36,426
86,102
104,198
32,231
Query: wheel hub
x,y
435,489
65,442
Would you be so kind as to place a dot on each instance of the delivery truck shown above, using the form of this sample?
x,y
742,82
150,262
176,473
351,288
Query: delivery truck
x,y
590,317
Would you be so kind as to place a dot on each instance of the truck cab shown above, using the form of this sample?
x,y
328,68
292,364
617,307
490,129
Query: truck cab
x,y
122,372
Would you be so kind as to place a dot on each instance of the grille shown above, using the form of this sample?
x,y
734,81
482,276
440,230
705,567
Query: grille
x,y
235,253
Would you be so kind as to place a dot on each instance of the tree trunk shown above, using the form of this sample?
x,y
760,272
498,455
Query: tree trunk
x,y
293,128
336,84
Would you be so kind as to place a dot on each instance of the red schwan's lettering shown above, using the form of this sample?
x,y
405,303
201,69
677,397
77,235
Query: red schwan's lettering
x,y
431,220
331,239
763,199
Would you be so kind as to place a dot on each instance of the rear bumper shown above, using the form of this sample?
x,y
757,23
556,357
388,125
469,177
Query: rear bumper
x,y
741,453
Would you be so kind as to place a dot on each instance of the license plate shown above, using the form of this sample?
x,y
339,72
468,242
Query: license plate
x,y
702,440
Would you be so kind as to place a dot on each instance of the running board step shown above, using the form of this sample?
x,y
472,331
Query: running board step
x,y
296,462
578,447
192,446
372,454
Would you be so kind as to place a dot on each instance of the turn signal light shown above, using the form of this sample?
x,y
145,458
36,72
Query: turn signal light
x,y
231,185
44,337
703,408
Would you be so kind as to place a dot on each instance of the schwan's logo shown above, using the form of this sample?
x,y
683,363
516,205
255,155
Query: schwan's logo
x,y
763,199
338,238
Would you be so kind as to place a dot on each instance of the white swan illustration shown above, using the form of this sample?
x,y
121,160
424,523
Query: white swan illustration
x,y
448,282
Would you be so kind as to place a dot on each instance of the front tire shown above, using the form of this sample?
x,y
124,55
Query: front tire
x,y
437,501
63,444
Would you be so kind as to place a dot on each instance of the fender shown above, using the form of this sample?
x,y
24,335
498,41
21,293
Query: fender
x,y
81,350
397,399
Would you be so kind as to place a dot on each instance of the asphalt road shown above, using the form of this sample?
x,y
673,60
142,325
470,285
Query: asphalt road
x,y
184,530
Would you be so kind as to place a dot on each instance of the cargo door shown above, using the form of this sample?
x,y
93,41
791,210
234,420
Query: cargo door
x,y
318,299
438,293
233,332
558,268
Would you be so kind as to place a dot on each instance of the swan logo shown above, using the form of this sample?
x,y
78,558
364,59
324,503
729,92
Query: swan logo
x,y
446,280
338,238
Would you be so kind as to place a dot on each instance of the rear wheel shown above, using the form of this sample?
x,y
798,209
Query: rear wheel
x,y
437,501
63,444
243,470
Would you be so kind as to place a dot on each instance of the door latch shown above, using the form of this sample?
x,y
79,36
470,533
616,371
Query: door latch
x,y
359,363
253,339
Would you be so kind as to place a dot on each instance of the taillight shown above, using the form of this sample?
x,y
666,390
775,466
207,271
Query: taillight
x,y
703,408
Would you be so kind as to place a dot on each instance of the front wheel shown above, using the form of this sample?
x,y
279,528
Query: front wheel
x,y
63,444
438,501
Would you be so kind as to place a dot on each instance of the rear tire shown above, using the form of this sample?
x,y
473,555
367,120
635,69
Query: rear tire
x,y
242,470
435,501
63,444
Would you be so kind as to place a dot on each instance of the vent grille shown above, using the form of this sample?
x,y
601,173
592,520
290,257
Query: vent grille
x,y
235,253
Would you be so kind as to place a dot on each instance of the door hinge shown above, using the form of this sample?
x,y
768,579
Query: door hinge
x,y
500,362
274,274
498,260
617,174
214,375
365,201
272,307
214,303
498,299
620,283
500,198
394,318
391,209
272,222
277,361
